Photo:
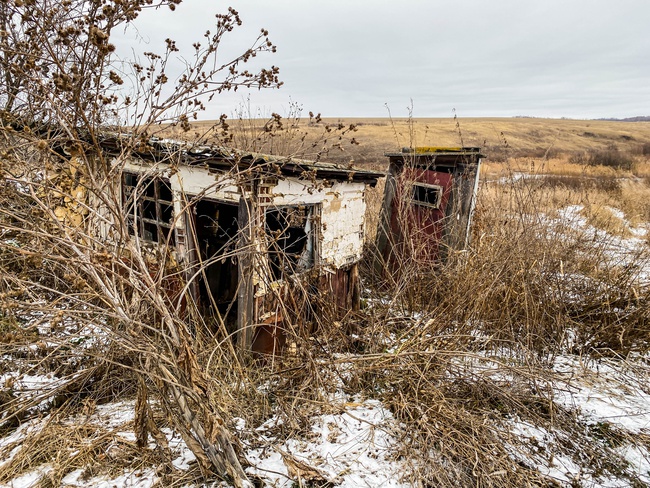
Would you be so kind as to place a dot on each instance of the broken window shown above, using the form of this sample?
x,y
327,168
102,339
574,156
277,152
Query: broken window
x,y
291,233
427,195
149,207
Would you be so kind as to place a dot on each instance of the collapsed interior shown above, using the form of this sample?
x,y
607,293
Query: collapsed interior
x,y
291,249
290,231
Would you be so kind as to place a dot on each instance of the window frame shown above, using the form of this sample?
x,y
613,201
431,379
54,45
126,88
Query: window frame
x,y
309,258
143,197
439,189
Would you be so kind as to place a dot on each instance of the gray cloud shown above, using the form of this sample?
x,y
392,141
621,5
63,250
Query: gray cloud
x,y
578,58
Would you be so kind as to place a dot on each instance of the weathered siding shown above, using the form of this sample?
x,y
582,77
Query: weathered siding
x,y
193,181
198,181
343,205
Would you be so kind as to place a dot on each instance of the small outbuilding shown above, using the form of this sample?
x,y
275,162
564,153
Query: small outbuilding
x,y
428,204
259,236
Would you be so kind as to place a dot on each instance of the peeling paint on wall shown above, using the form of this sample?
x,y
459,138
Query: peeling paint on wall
x,y
280,234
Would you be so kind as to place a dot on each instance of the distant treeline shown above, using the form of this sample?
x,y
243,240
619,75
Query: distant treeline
x,y
640,118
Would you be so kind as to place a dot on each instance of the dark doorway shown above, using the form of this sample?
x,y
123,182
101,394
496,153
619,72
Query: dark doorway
x,y
216,235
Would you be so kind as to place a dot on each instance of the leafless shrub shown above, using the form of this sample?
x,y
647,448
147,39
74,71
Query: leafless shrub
x,y
610,157
101,304
645,150
454,349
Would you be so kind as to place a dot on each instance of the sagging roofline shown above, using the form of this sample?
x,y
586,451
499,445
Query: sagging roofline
x,y
223,158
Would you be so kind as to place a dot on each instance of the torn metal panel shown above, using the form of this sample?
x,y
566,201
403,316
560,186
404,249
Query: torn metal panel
x,y
343,227
343,284
342,219
291,235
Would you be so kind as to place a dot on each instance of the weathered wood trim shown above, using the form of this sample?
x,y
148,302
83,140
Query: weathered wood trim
x,y
355,288
246,293
384,230
190,253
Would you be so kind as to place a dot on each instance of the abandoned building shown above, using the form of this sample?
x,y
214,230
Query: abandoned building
x,y
428,204
253,231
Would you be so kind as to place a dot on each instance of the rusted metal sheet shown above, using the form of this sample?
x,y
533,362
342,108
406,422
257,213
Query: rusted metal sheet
x,y
270,336
417,218
341,288
428,204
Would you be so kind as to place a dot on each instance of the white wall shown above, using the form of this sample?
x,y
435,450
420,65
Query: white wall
x,y
343,205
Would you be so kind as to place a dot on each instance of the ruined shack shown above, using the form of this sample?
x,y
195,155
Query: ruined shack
x,y
428,204
261,238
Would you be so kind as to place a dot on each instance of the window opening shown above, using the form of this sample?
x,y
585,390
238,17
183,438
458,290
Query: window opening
x,y
427,195
149,207
291,237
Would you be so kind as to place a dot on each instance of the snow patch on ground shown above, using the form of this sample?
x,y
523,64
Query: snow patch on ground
x,y
638,458
609,398
351,449
620,251
15,439
29,479
604,391
548,462
141,478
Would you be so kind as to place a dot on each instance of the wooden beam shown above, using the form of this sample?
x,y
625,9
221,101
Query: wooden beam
x,y
384,231
246,293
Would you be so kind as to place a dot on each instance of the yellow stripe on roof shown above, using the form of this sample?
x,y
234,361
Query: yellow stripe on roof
x,y
435,149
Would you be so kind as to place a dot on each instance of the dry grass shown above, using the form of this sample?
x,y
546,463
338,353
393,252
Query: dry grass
x,y
480,334
454,359
457,358
70,447
456,352
607,219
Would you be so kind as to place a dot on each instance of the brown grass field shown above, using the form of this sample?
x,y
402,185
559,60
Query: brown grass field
x,y
594,163
514,137
518,136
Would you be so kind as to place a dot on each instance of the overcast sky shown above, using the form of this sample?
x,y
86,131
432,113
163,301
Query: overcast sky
x,y
351,58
